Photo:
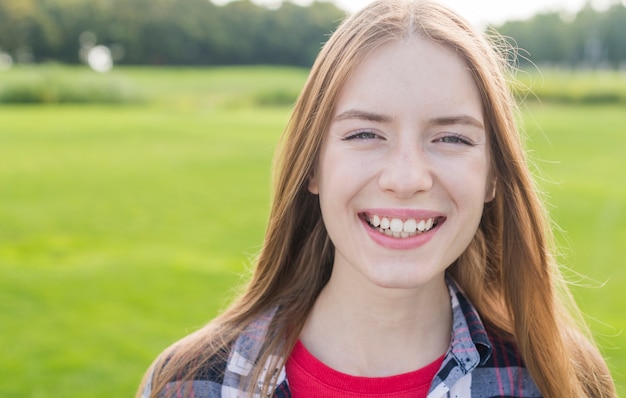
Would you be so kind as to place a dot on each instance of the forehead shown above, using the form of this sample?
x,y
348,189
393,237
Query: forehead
x,y
414,75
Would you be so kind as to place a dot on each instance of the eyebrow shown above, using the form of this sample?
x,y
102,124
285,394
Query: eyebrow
x,y
465,120
363,115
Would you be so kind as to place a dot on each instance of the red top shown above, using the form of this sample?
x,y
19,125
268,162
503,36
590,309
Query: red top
x,y
308,377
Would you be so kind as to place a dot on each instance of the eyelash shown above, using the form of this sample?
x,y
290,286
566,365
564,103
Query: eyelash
x,y
362,135
456,139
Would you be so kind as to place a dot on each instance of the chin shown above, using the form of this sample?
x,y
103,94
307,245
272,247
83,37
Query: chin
x,y
405,282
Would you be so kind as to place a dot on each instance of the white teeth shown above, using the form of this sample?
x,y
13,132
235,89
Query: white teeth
x,y
384,223
396,225
421,226
401,229
410,225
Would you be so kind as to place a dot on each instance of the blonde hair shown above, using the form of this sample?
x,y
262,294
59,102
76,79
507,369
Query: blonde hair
x,y
508,271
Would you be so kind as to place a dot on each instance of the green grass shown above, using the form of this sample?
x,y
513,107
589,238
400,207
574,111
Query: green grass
x,y
172,87
580,153
53,84
123,228
573,87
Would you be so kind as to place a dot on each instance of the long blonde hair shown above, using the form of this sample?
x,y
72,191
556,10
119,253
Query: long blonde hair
x,y
508,271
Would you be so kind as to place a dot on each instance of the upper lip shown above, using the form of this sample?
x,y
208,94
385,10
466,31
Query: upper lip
x,y
402,213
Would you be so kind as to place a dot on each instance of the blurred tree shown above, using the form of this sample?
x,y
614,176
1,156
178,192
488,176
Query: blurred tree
x,y
192,32
615,25
198,32
590,39
589,35
544,37
20,28
296,33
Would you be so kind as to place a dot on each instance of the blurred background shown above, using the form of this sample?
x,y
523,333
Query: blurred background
x,y
136,141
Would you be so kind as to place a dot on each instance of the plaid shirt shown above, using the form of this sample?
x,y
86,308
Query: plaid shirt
x,y
477,364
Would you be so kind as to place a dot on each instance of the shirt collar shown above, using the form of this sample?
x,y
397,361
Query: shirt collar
x,y
470,344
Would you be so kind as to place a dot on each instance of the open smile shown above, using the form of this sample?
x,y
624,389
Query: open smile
x,y
401,228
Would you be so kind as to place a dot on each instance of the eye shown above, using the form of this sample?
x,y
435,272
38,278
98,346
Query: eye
x,y
455,139
362,135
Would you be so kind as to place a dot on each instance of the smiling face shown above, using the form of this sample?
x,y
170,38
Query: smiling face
x,y
403,171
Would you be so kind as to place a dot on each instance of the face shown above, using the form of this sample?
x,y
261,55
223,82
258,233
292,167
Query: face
x,y
403,172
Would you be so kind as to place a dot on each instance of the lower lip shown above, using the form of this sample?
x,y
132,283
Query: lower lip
x,y
399,243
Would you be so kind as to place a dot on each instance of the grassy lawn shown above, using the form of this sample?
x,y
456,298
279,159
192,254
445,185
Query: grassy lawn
x,y
122,229
579,151
125,227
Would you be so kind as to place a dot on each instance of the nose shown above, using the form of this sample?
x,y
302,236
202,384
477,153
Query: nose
x,y
406,170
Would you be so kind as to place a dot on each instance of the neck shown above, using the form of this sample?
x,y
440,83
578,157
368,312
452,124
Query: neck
x,y
375,332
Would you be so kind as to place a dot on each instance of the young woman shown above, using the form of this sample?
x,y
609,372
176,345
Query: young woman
x,y
407,253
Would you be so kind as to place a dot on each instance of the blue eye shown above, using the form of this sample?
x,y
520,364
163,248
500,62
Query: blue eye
x,y
362,135
456,139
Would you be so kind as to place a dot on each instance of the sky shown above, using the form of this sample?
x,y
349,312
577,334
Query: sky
x,y
482,12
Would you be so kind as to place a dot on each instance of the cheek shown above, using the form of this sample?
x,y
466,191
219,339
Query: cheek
x,y
467,181
342,171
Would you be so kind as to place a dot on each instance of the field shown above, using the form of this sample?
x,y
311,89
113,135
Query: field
x,y
125,226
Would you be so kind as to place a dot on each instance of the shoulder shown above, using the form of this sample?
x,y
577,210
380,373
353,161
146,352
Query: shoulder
x,y
481,363
202,379
503,373
211,363
504,353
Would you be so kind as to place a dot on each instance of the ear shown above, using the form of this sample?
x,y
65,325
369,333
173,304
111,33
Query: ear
x,y
312,185
490,193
